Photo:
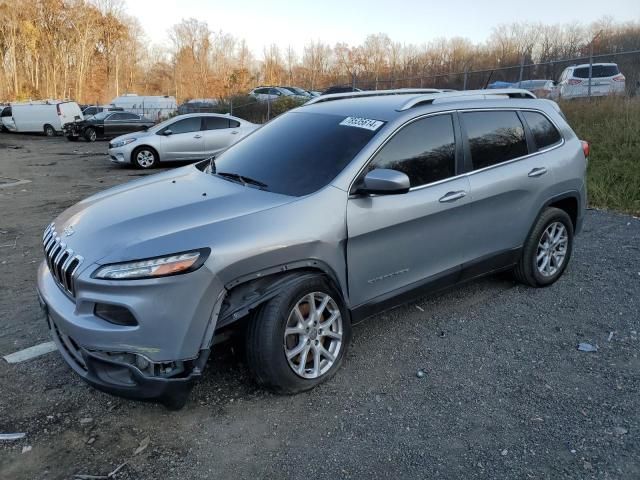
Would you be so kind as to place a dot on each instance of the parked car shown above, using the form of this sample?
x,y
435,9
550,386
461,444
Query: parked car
x,y
299,92
340,89
200,105
105,125
606,79
93,109
47,116
499,84
6,120
183,138
324,216
272,93
541,88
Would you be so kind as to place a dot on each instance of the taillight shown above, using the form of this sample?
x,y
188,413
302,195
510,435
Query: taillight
x,y
586,148
618,78
58,109
574,81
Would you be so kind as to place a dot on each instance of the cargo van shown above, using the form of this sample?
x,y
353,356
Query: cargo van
x,y
46,116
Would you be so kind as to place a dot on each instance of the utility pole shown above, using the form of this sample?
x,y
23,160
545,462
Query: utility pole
x,y
591,62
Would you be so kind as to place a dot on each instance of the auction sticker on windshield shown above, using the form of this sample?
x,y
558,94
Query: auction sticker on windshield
x,y
360,122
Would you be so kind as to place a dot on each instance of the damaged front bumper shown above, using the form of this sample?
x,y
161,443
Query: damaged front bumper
x,y
71,130
95,349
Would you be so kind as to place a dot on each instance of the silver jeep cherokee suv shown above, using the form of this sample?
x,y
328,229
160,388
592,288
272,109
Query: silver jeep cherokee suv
x,y
349,205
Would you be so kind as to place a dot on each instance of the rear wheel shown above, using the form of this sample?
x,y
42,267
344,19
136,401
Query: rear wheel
x,y
144,157
90,134
298,339
49,131
547,251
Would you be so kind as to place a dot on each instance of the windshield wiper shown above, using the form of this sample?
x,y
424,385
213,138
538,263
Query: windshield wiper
x,y
242,179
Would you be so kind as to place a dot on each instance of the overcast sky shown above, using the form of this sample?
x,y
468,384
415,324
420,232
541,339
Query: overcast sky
x,y
262,22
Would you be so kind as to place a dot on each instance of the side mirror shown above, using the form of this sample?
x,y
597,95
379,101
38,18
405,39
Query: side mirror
x,y
383,181
167,132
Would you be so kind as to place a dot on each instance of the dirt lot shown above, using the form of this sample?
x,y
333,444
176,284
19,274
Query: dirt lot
x,y
506,393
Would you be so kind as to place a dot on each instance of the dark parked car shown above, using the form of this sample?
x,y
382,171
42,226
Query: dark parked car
x,y
106,125
340,89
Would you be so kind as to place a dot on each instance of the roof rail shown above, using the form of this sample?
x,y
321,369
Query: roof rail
x,y
444,97
371,93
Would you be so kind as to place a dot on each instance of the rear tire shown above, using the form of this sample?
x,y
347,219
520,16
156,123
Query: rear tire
x,y
49,131
90,134
276,332
547,251
145,158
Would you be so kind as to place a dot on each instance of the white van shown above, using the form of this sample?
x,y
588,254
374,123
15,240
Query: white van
x,y
46,116
155,107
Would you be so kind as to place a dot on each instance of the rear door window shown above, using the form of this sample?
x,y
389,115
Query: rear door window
x,y
494,137
598,71
545,134
215,123
424,150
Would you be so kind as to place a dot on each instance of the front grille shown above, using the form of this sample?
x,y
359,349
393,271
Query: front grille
x,y
62,261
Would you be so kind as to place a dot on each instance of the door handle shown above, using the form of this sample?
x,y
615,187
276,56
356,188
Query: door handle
x,y
536,172
452,196
197,136
234,132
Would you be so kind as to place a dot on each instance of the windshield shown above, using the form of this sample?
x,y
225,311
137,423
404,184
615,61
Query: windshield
x,y
297,153
101,115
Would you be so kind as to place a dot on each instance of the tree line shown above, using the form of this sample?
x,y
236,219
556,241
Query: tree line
x,y
92,51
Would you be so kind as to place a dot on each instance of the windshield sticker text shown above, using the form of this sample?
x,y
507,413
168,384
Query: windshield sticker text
x,y
359,122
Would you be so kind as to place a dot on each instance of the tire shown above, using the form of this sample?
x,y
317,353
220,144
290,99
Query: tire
x,y
267,345
552,264
72,138
90,134
144,157
49,131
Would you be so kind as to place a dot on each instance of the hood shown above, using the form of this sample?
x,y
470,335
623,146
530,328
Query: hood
x,y
138,134
160,214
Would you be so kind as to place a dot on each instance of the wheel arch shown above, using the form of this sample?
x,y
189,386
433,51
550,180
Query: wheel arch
x,y
569,202
248,292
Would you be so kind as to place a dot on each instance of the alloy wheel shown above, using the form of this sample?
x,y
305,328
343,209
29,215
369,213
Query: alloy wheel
x,y
313,335
552,249
145,158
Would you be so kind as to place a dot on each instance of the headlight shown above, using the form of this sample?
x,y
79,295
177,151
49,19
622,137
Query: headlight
x,y
122,143
153,267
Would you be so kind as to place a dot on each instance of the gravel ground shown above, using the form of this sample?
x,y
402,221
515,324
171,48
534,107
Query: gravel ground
x,y
505,394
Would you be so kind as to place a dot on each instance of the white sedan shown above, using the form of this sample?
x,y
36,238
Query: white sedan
x,y
188,137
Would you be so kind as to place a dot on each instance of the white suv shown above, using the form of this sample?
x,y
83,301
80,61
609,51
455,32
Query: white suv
x,y
606,79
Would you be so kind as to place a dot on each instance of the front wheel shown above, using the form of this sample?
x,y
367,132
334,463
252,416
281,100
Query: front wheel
x,y
90,134
298,339
49,131
547,251
144,157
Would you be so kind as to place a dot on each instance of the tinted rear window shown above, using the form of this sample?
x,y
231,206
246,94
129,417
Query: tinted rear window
x,y
494,137
597,71
215,123
297,153
544,132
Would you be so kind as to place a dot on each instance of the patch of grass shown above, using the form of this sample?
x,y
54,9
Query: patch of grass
x,y
612,127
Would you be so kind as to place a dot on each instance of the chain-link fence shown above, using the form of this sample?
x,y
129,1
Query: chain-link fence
x,y
628,63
